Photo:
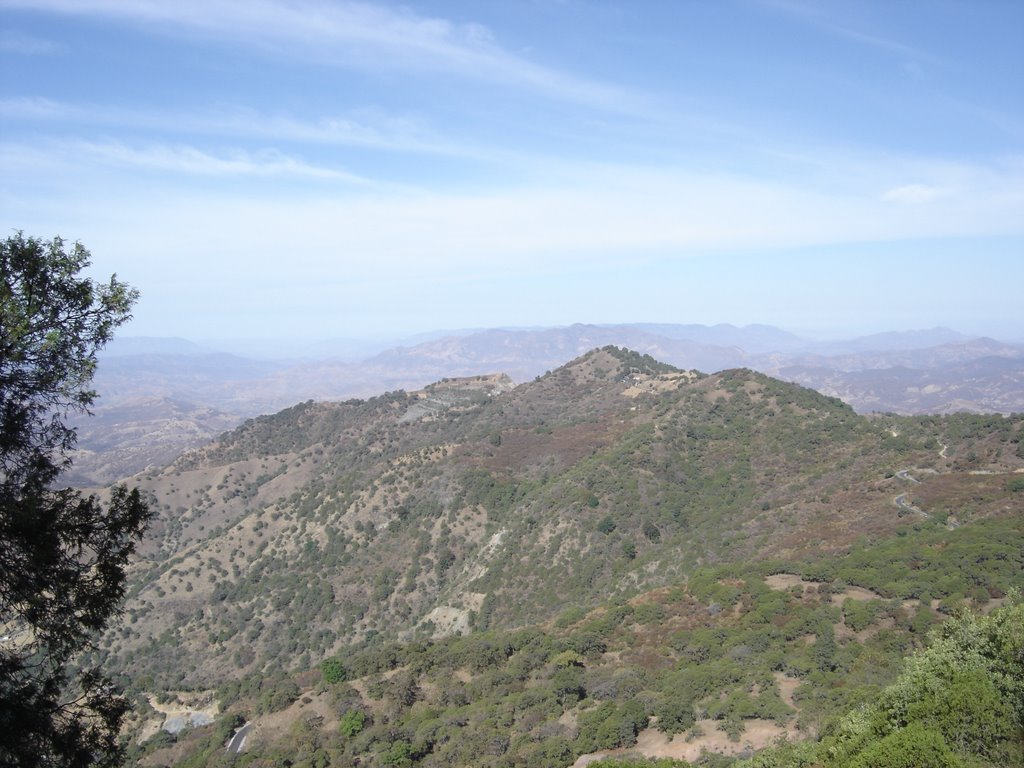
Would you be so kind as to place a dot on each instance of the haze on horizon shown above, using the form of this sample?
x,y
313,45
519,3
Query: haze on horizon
x,y
331,169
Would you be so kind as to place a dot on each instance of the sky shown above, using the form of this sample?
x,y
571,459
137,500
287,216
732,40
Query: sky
x,y
323,169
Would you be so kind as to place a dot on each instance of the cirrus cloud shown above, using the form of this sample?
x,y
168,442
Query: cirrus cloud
x,y
352,34
915,194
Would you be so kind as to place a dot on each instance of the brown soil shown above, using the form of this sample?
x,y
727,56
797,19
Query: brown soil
x,y
787,685
784,581
653,743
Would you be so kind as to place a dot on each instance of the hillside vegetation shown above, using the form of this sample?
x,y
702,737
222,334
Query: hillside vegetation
x,y
642,526
162,396
731,662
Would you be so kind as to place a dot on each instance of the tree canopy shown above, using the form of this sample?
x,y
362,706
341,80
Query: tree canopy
x,y
62,555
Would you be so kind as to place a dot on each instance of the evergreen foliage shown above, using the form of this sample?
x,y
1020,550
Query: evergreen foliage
x,y
62,556
504,699
957,703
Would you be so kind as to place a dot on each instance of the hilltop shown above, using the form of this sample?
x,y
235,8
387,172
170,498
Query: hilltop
x,y
162,396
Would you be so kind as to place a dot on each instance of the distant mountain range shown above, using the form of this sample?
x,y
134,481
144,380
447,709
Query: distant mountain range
x,y
160,396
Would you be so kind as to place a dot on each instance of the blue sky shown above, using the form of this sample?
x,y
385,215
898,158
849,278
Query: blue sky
x,y
276,168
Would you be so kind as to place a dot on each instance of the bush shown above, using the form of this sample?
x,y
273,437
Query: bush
x,y
333,671
352,723
915,746
277,694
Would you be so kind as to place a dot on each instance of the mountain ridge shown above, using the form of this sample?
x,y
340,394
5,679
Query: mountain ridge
x,y
330,522
213,384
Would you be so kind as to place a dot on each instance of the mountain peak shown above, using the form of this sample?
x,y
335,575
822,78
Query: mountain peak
x,y
615,363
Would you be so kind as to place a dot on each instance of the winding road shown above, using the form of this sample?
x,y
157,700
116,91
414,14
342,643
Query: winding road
x,y
906,506
904,474
238,740
901,500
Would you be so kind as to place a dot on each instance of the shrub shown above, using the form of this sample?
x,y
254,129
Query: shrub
x,y
352,723
333,670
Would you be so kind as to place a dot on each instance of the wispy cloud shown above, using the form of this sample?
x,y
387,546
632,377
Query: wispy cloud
x,y
817,15
915,194
654,214
369,129
338,251
13,41
352,34
189,160
166,159
36,109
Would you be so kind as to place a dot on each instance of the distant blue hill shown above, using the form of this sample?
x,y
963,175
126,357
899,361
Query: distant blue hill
x,y
122,346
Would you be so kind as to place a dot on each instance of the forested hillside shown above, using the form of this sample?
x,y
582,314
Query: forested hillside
x,y
737,659
162,396
613,545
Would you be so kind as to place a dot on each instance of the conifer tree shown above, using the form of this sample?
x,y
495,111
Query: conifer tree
x,y
62,555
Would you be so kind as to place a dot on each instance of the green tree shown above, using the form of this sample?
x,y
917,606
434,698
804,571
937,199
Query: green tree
x,y
824,650
916,746
675,711
62,556
399,755
333,670
352,723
